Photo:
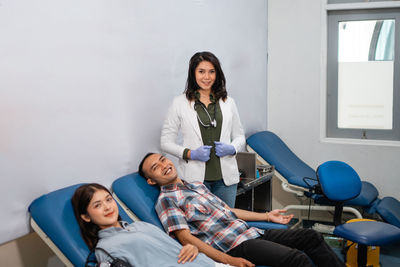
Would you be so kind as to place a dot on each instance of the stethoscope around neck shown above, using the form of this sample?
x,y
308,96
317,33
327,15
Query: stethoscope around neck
x,y
213,122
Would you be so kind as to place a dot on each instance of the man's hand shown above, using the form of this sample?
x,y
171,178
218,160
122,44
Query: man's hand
x,y
185,237
276,216
188,253
239,262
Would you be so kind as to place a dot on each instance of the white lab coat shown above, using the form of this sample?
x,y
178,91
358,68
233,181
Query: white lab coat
x,y
182,117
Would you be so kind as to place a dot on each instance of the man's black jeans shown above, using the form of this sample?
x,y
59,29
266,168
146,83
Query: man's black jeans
x,y
278,247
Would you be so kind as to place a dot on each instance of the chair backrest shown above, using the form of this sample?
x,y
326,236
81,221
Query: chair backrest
x,y
54,214
389,209
272,149
138,196
339,181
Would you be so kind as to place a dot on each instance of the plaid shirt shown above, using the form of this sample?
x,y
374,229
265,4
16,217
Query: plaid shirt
x,y
192,206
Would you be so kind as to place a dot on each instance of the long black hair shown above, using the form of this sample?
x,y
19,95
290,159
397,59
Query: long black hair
x,y
80,201
218,88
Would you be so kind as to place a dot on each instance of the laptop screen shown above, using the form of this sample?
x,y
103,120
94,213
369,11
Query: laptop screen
x,y
246,164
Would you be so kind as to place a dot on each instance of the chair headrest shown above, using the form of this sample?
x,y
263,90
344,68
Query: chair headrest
x,y
140,197
338,180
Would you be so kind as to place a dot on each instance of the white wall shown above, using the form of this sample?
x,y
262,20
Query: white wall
x,y
84,85
295,67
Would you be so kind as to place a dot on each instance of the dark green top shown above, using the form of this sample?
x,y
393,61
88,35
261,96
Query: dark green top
x,y
209,134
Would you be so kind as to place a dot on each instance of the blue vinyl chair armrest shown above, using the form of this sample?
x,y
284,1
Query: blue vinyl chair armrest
x,y
266,225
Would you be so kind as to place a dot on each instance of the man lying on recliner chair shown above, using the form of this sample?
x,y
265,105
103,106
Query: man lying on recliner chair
x,y
195,216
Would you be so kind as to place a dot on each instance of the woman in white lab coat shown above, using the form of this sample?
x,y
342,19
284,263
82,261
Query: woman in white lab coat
x,y
210,126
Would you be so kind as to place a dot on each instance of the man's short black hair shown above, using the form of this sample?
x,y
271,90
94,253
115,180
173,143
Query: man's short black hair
x,y
141,172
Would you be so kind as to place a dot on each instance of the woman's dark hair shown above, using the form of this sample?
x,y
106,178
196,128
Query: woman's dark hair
x,y
141,172
218,87
80,201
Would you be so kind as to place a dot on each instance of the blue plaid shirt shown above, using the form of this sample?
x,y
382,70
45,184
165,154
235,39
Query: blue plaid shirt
x,y
192,206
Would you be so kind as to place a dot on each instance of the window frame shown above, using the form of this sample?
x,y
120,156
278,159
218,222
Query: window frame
x,y
332,130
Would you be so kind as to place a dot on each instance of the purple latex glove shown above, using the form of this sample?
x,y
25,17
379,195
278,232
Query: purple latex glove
x,y
202,153
222,149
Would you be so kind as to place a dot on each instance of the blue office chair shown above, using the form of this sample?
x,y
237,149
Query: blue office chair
x,y
299,178
339,182
52,217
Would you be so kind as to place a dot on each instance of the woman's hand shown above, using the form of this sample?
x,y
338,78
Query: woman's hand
x,y
188,253
222,149
202,153
276,216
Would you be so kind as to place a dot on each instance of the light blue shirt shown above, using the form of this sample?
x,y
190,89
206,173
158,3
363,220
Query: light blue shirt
x,y
143,244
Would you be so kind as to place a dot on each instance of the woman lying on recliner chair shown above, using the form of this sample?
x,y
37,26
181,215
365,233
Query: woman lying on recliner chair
x,y
139,243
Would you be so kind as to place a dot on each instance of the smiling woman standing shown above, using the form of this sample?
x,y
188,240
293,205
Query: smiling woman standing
x,y
210,126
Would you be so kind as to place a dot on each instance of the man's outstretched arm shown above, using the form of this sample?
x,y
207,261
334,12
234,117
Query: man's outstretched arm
x,y
275,216
185,237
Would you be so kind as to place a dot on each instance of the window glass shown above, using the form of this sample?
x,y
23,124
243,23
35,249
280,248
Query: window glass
x,y
385,44
365,74
363,81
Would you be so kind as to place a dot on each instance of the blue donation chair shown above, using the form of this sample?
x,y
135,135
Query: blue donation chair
x,y
299,178
53,219
339,182
139,198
